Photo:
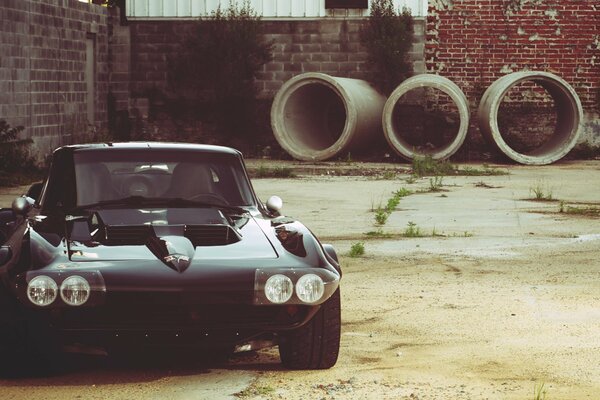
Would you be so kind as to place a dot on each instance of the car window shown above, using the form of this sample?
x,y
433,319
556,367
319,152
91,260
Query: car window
x,y
215,178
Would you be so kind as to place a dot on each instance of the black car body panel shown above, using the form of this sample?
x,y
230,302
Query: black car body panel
x,y
162,265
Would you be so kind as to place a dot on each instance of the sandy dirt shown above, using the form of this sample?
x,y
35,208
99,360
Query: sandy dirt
x,y
505,297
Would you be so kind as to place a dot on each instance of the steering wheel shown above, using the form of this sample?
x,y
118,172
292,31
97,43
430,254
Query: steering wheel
x,y
207,196
139,186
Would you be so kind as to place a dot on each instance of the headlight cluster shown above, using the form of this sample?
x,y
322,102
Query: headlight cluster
x,y
74,290
294,286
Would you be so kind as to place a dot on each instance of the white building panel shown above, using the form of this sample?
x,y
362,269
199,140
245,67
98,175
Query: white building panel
x,y
269,9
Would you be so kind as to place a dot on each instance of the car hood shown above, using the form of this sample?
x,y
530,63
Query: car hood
x,y
174,236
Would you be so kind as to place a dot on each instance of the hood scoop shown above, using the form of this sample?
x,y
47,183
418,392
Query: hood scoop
x,y
176,252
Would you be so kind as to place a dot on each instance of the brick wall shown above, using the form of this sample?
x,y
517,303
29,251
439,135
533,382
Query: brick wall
x,y
474,42
42,69
329,46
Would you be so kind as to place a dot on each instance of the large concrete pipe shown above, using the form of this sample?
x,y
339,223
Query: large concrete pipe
x,y
393,121
568,108
316,116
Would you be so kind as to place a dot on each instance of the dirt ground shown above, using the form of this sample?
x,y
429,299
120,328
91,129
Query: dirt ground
x,y
503,299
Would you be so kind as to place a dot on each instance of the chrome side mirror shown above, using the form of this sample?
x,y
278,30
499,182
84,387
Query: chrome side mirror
x,y
22,205
274,204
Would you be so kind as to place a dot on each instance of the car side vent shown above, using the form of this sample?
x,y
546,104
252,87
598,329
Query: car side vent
x,y
211,235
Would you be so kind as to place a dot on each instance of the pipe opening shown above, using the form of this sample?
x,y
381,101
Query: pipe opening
x,y
426,120
529,120
532,117
314,117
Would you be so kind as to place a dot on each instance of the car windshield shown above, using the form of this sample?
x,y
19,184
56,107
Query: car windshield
x,y
105,177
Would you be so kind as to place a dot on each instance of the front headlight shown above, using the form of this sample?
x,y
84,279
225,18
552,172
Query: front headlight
x,y
279,289
310,288
75,290
42,290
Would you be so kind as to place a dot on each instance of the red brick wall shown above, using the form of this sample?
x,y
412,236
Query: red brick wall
x,y
474,42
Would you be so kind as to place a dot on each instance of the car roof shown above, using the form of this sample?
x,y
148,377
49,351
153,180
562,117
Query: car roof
x,y
124,146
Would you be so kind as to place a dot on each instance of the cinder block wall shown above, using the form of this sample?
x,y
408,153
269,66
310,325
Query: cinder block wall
x,y
42,69
331,46
474,42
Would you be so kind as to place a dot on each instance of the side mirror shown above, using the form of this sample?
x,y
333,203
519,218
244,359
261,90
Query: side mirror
x,y
35,190
5,255
22,205
274,204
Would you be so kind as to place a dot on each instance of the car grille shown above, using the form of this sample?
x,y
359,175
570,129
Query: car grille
x,y
113,316
199,235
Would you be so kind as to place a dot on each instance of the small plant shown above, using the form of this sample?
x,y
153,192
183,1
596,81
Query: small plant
x,y
357,250
435,183
402,192
411,179
589,211
541,192
254,391
381,216
486,171
378,234
388,176
392,204
412,230
539,391
276,172
561,206
423,166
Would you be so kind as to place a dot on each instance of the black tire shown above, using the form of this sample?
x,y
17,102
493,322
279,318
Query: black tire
x,y
316,344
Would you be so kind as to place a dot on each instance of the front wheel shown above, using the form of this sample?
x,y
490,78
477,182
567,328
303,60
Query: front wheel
x,y
316,344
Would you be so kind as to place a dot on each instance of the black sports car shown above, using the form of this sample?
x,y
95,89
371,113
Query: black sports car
x,y
154,244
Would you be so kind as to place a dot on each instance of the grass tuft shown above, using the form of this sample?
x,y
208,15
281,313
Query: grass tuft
x,y
357,250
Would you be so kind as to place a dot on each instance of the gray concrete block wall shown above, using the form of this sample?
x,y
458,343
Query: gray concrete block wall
x,y
42,69
331,46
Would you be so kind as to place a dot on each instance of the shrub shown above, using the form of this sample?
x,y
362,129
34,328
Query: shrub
x,y
357,249
388,37
13,151
220,65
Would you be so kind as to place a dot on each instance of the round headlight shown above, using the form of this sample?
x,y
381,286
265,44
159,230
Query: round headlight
x,y
42,290
310,288
75,290
279,289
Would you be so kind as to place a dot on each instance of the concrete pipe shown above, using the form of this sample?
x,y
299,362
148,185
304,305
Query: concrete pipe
x,y
316,116
391,120
568,108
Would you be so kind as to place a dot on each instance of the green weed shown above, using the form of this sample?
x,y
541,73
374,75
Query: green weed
x,y
381,216
539,391
424,166
435,183
254,391
412,230
541,192
357,250
275,172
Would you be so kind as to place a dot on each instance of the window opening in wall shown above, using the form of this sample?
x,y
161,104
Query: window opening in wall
x,y
346,4
90,77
